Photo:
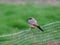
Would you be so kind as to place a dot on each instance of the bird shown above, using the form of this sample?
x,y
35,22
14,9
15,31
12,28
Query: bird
x,y
33,23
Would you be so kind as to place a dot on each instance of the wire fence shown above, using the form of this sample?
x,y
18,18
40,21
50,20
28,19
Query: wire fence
x,y
34,36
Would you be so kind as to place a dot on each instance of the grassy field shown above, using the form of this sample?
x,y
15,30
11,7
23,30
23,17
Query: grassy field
x,y
13,18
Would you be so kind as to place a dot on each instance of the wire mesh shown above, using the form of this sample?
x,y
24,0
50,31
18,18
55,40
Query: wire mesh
x,y
34,36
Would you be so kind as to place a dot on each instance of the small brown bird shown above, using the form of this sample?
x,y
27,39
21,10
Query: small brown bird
x,y
33,23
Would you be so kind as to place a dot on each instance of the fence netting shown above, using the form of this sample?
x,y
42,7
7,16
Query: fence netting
x,y
34,36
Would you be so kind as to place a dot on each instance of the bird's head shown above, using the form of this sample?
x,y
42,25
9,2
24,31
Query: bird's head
x,y
30,18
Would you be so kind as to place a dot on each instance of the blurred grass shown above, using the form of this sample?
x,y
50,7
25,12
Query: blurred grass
x,y
13,18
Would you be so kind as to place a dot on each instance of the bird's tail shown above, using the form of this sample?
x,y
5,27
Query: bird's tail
x,y
40,28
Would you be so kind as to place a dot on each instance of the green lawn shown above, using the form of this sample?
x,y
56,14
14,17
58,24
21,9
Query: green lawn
x,y
13,18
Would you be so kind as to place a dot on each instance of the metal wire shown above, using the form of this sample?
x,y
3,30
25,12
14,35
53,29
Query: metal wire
x,y
27,37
